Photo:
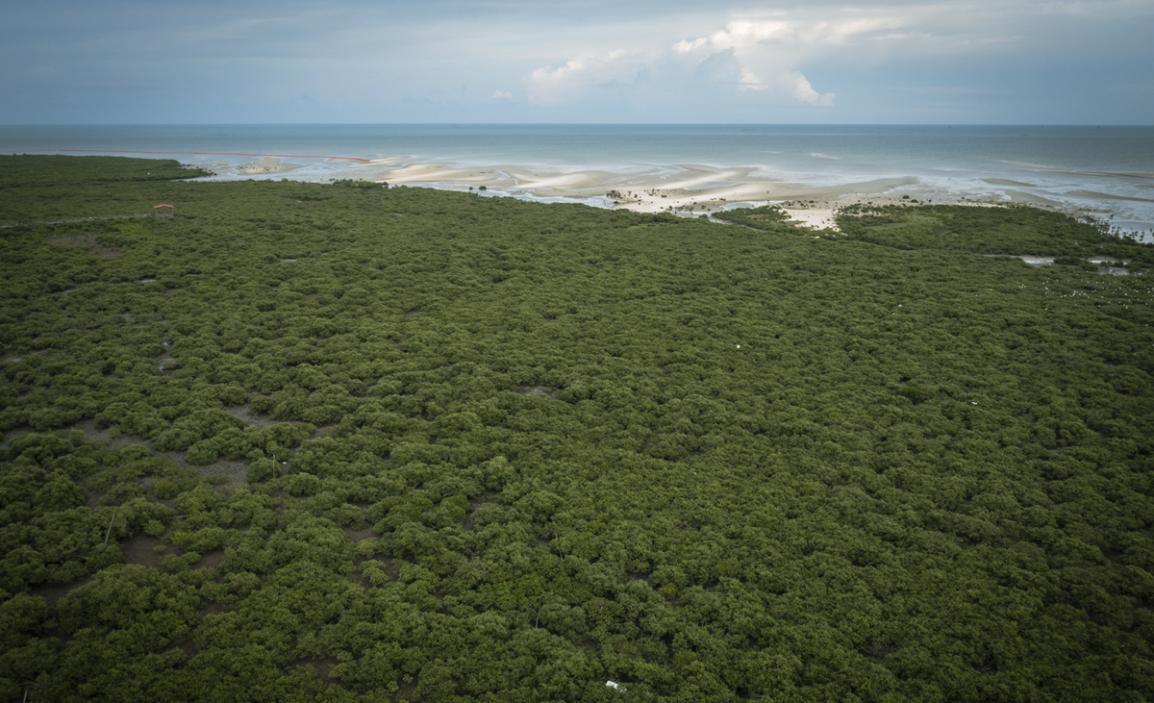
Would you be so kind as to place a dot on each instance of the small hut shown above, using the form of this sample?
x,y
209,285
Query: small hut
x,y
163,211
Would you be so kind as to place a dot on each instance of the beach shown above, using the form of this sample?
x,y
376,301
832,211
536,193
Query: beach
x,y
1105,174
688,190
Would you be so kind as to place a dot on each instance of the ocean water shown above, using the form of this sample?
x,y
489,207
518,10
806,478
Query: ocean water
x,y
1105,172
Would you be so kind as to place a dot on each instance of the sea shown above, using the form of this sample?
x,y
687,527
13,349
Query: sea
x,y
1106,173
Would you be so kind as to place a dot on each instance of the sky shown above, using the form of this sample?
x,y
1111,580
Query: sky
x,y
640,61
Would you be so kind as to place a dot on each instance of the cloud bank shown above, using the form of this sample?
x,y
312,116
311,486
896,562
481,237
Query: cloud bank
x,y
748,55
140,61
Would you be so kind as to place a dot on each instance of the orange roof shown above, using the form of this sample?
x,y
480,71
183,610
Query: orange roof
x,y
161,205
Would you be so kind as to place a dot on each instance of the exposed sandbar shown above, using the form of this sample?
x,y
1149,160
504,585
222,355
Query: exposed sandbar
x,y
683,189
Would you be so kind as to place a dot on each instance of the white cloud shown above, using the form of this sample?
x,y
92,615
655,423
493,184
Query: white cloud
x,y
749,81
554,84
685,46
550,85
800,34
769,50
502,95
804,92
761,57
743,32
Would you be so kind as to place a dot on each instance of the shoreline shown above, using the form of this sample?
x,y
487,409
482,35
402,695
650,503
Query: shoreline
x,y
686,189
693,189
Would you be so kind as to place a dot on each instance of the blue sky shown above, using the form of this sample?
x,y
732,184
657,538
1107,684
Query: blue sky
x,y
208,61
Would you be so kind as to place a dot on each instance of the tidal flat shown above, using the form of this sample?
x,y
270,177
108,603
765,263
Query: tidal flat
x,y
357,443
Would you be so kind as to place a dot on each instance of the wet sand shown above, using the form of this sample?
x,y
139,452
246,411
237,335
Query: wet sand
x,y
687,189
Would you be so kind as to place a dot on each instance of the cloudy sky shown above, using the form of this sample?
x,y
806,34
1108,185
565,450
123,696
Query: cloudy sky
x,y
895,61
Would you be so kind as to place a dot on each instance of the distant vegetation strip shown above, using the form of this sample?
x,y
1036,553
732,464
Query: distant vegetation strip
x,y
79,150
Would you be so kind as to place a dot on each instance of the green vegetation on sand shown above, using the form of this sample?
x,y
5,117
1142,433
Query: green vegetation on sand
x,y
301,442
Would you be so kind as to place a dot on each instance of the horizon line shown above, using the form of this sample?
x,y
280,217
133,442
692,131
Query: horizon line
x,y
572,124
